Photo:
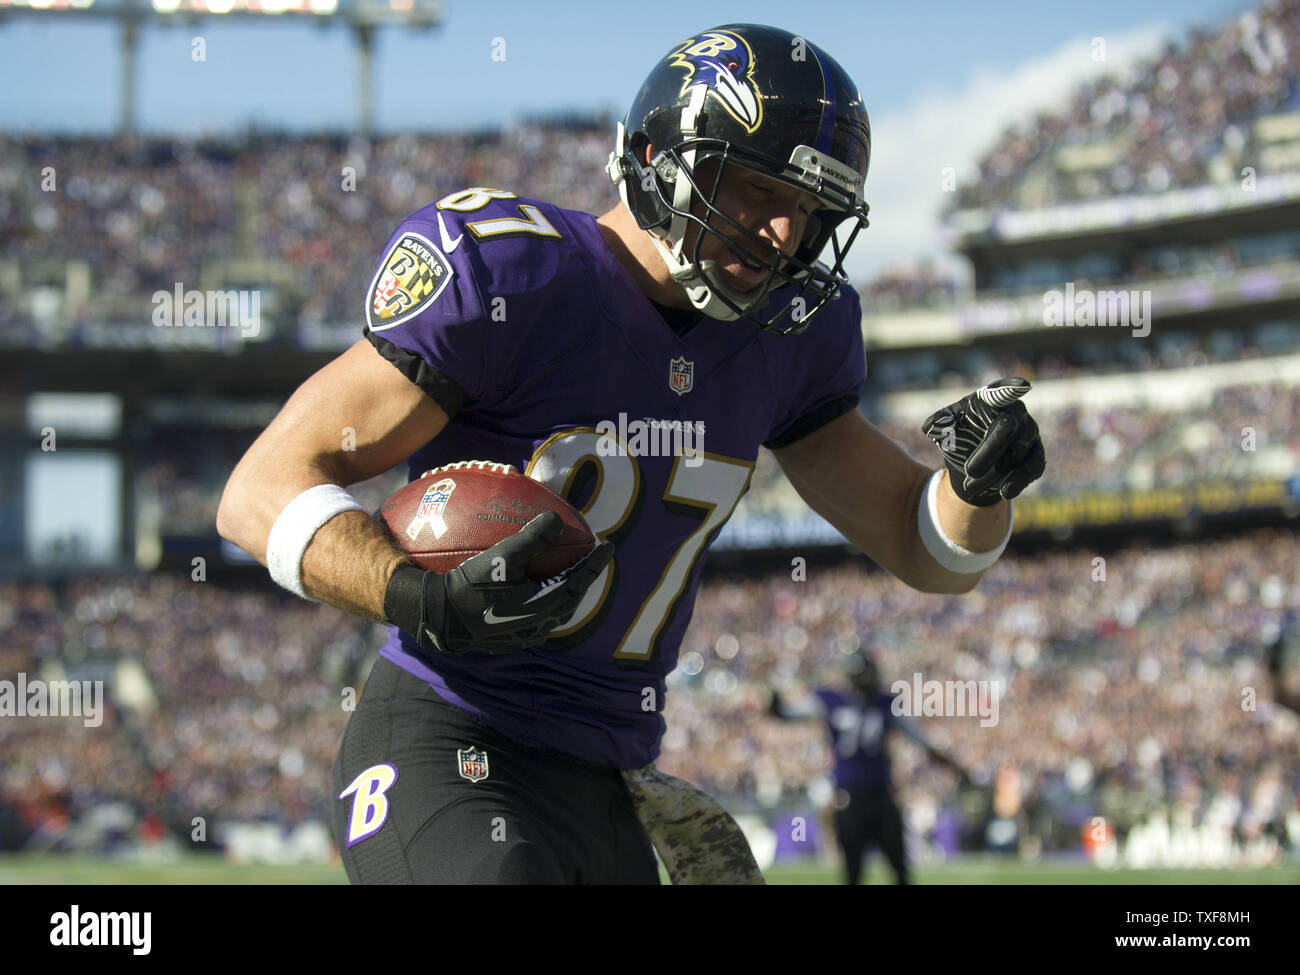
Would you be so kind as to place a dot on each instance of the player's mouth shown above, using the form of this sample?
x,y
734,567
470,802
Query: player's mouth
x,y
746,272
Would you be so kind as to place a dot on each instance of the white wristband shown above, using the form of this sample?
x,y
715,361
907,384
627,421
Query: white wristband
x,y
295,527
946,552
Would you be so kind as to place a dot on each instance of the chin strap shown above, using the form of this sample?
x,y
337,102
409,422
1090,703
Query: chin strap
x,y
702,294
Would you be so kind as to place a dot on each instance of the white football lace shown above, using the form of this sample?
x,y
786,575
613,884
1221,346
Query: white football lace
x,y
482,465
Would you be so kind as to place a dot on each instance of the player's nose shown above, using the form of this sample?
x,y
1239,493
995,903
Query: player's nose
x,y
783,229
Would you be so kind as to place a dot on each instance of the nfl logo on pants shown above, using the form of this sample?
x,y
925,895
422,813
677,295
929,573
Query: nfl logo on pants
x,y
473,763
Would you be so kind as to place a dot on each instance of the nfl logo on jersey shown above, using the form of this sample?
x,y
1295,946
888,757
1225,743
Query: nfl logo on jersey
x,y
473,763
681,375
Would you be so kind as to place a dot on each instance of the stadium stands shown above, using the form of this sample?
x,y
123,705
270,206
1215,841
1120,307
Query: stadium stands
x,y
1194,115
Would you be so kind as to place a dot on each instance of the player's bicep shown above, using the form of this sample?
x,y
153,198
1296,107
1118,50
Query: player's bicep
x,y
355,418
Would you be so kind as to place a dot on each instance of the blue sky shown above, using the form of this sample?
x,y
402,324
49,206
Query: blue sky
x,y
940,79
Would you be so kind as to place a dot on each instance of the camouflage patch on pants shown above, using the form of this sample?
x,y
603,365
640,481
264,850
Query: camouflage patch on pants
x,y
696,838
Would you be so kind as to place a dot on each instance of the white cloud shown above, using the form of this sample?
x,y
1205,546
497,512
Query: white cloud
x,y
910,148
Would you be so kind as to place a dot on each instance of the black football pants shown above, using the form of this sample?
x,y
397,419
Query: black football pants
x,y
404,812
871,818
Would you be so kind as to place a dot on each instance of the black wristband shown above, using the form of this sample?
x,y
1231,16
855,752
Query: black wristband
x,y
404,603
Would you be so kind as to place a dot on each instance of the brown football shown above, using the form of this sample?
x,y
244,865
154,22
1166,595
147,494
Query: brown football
x,y
458,510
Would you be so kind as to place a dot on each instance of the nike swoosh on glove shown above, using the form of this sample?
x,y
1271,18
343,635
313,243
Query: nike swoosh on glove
x,y
990,443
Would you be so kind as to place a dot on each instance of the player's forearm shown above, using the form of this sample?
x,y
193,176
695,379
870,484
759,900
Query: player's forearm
x,y
349,560
974,528
348,565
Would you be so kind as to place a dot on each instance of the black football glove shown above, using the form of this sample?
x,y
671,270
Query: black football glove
x,y
990,443
467,609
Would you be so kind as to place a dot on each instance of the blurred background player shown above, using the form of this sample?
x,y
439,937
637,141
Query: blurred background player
x,y
859,723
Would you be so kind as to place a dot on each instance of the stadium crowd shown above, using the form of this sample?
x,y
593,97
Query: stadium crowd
x,y
920,285
1185,118
1143,447
234,720
923,286
1122,693
895,370
145,213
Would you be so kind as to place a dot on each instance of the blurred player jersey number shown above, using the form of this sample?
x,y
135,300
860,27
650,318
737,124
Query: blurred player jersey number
x,y
857,730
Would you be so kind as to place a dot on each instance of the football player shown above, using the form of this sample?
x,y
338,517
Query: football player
x,y
859,724
500,735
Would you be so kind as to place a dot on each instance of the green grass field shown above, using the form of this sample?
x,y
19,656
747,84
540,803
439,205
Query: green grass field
x,y
210,869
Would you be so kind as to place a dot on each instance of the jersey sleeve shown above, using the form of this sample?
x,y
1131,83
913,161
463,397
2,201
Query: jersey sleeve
x,y
425,314
826,383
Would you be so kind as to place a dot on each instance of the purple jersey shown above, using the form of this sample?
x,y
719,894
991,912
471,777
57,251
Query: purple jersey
x,y
859,730
516,317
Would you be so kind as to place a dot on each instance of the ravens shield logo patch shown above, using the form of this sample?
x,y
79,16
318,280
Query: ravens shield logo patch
x,y
411,276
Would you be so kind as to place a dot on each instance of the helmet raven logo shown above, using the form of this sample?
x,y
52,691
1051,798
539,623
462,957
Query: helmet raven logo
x,y
723,62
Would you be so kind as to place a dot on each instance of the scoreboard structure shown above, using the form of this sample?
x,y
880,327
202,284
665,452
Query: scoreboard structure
x,y
362,17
